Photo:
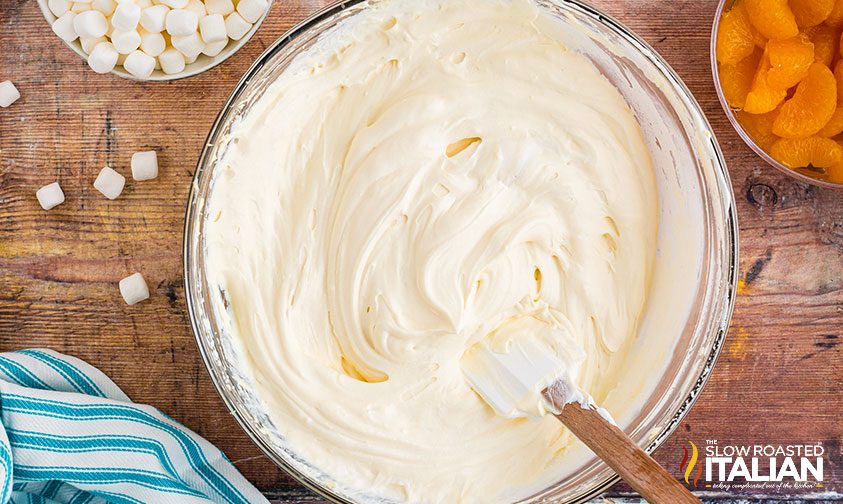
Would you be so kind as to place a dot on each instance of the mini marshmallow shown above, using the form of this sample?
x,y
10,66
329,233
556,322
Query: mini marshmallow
x,y
109,182
9,94
139,64
88,44
174,4
251,10
212,28
58,7
152,44
144,165
133,289
90,24
50,196
214,48
236,27
181,22
224,7
172,61
126,17
105,6
153,19
63,27
103,58
189,45
196,7
125,41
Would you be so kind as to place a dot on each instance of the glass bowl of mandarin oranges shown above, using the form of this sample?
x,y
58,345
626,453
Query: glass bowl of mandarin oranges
x,y
778,70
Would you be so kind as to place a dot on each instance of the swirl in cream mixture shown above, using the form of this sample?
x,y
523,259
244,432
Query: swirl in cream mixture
x,y
426,173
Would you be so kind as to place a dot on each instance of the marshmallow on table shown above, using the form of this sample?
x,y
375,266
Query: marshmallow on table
x,y
224,7
125,42
189,45
88,44
152,44
196,7
90,24
133,289
103,58
50,196
58,7
236,26
144,165
154,19
251,10
214,48
181,22
172,61
105,6
126,17
9,94
109,182
212,28
139,64
63,27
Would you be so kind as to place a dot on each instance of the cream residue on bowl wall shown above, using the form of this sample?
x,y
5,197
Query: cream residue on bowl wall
x,y
401,190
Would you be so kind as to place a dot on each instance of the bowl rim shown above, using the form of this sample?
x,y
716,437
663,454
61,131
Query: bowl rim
x,y
208,62
730,114
720,322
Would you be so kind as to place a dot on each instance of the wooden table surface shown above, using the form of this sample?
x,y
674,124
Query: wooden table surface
x,y
777,381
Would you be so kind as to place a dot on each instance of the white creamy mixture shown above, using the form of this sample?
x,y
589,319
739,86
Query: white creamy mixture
x,y
429,172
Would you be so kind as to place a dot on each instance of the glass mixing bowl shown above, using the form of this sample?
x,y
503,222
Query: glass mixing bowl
x,y
697,213
725,5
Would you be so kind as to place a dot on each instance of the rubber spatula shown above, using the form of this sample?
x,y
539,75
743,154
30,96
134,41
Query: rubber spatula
x,y
525,379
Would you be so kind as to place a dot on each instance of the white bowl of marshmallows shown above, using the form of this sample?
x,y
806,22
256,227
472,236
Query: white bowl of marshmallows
x,y
154,39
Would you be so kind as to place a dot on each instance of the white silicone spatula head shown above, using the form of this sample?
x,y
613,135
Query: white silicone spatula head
x,y
511,381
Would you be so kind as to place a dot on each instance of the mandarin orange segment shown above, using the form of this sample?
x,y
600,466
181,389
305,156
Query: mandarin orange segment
x,y
761,97
811,12
811,107
736,80
773,18
835,173
759,127
838,76
735,39
814,151
835,18
825,40
834,126
789,61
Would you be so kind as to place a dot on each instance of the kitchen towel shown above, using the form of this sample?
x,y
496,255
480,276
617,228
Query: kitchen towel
x,y
70,435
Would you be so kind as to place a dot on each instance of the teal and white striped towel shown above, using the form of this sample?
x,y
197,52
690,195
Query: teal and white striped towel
x,y
70,435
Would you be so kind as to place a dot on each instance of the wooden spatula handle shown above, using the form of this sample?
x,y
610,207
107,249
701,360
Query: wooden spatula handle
x,y
632,463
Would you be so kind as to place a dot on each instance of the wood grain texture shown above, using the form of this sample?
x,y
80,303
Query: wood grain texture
x,y
778,380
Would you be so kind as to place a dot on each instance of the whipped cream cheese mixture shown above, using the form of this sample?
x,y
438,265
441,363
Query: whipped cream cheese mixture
x,y
428,172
